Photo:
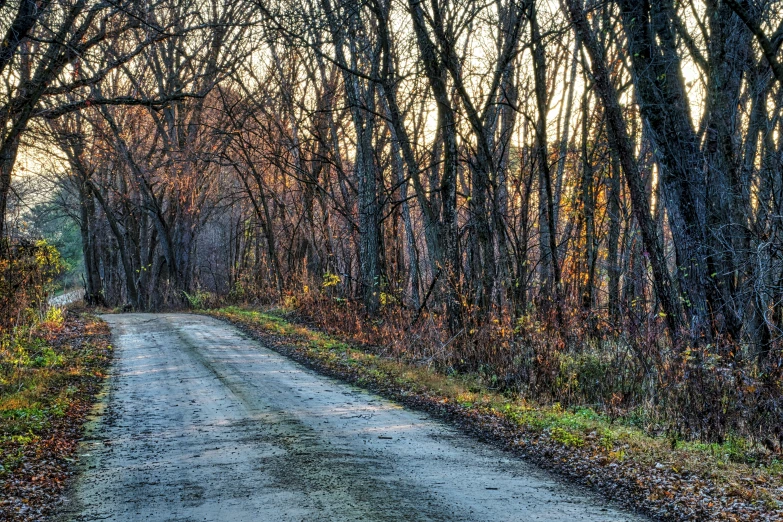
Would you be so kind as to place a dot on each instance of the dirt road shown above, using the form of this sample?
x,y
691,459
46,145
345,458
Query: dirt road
x,y
202,423
66,298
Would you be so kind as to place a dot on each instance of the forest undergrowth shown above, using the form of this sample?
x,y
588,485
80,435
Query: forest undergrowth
x,y
49,377
52,365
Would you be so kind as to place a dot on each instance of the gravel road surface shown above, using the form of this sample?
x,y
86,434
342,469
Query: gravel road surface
x,y
201,423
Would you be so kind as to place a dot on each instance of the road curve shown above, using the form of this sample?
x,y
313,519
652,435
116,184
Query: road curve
x,y
66,298
202,423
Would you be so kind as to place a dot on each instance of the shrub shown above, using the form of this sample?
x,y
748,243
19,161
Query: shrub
x,y
27,270
200,299
566,438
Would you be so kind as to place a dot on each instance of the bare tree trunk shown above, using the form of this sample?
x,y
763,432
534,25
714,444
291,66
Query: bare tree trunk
x,y
361,100
542,148
127,265
619,140
728,50
613,264
448,240
93,287
8,152
588,209
410,239
664,106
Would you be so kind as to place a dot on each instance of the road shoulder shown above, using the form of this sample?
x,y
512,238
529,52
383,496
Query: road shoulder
x,y
647,482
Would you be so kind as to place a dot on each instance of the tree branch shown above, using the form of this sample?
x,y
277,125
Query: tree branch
x,y
156,104
766,45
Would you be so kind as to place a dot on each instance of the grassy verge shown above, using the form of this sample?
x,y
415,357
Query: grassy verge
x,y
664,478
49,375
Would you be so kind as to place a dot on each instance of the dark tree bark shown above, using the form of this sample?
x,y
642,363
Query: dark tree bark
x,y
621,143
545,175
361,100
448,241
